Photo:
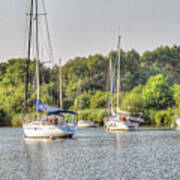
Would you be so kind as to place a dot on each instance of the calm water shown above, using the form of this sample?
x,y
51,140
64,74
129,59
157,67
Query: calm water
x,y
91,154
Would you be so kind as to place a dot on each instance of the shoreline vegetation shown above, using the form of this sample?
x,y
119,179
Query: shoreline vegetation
x,y
150,83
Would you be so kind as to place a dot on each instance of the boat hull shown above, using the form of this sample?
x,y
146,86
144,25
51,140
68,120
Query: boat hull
x,y
48,131
121,126
178,124
119,123
86,124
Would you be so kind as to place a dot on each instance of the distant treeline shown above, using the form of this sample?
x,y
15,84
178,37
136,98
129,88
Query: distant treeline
x,y
150,83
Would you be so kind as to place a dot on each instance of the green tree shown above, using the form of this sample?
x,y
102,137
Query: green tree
x,y
177,97
158,93
134,101
99,100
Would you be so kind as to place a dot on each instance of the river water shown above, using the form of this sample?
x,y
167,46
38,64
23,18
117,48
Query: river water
x,y
91,154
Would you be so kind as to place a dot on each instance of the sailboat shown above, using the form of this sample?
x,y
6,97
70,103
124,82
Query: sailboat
x,y
51,122
121,120
82,123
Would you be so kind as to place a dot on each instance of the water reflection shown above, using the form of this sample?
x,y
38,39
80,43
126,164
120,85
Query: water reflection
x,y
92,154
39,154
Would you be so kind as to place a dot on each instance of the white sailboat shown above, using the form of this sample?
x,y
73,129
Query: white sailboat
x,y
86,124
121,120
82,123
53,122
178,124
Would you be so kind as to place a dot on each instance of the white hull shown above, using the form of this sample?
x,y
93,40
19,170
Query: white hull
x,y
86,124
121,126
45,131
129,123
178,124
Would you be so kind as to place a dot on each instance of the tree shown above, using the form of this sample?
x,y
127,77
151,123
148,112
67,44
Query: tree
x,y
134,101
177,97
158,93
99,100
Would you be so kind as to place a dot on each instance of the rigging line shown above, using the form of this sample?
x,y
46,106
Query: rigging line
x,y
76,105
48,34
28,60
109,78
33,100
60,85
80,97
26,31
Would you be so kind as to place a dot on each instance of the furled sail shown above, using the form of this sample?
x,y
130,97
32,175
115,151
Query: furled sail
x,y
41,107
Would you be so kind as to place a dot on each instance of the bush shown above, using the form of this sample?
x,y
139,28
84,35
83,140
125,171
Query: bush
x,y
17,120
134,102
177,97
164,117
4,118
95,115
149,116
82,101
158,93
99,100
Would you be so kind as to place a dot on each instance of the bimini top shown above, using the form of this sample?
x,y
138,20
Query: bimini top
x,y
61,112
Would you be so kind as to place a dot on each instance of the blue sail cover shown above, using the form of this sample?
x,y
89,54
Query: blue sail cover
x,y
61,111
41,107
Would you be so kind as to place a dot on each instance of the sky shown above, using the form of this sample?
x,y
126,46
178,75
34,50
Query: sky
x,y
84,27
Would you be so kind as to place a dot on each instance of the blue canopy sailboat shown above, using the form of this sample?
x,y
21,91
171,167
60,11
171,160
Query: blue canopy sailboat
x,y
53,123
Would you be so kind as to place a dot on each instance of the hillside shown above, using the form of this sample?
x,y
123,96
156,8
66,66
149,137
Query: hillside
x,y
150,83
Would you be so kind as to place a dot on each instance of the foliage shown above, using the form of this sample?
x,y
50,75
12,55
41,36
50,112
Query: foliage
x,y
4,118
164,117
149,116
146,85
133,101
177,97
99,100
83,101
95,115
17,120
158,93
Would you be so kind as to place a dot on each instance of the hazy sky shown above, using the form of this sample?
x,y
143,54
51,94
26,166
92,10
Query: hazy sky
x,y
83,27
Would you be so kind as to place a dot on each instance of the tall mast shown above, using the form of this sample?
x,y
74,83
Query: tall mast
x,y
28,59
118,72
110,80
60,85
37,48
112,87
80,100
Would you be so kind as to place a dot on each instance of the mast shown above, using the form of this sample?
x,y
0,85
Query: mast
x,y
80,100
118,72
110,80
112,87
60,85
37,48
28,59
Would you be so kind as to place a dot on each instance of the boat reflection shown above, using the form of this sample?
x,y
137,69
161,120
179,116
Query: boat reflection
x,y
41,157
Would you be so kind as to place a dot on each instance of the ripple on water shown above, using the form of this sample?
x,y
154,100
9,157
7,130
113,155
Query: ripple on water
x,y
91,154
